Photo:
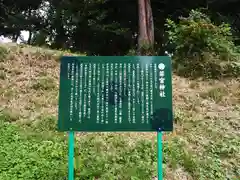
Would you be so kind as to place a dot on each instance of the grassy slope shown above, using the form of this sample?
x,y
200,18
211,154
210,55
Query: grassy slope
x,y
204,145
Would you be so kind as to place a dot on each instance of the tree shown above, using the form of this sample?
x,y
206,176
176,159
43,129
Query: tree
x,y
102,27
146,27
19,15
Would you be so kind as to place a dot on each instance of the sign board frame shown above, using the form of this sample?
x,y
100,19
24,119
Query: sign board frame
x,y
147,98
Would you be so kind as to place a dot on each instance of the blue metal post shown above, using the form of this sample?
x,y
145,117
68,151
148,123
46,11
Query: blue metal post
x,y
160,157
71,155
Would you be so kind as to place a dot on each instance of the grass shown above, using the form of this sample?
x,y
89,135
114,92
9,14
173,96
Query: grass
x,y
9,115
216,94
3,75
204,144
44,84
32,155
23,157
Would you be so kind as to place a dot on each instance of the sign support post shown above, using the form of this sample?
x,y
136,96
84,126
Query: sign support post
x,y
71,155
159,152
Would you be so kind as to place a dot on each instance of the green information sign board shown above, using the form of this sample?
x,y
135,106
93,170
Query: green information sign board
x,y
121,93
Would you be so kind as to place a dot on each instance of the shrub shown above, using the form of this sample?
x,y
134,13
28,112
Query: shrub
x,y
3,54
45,83
145,51
201,47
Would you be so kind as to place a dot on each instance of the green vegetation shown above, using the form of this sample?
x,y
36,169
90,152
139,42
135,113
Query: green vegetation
x,y
3,53
205,46
33,149
105,27
215,94
203,49
27,154
44,84
30,153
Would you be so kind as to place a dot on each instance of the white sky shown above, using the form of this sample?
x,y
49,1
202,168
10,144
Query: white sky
x,y
24,34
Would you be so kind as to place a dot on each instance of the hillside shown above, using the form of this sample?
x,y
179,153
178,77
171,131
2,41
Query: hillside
x,y
204,145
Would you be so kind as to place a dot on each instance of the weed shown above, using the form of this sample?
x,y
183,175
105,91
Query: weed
x,y
31,159
45,123
16,71
3,53
179,116
3,75
44,84
215,94
9,115
224,149
194,85
9,93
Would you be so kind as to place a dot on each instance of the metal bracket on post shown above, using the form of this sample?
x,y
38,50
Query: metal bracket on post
x,y
159,152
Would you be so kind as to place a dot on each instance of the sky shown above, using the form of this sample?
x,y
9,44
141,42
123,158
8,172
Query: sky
x,y
24,34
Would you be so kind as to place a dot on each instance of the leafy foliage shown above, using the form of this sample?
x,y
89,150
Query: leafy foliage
x,y
201,47
23,158
102,27
37,152
3,53
19,15
196,34
38,156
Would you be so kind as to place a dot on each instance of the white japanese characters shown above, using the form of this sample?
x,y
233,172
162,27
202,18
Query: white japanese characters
x,y
134,95
101,93
89,91
80,92
129,93
98,93
136,82
161,68
120,91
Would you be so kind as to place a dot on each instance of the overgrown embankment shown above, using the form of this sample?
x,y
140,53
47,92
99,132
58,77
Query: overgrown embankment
x,y
204,145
